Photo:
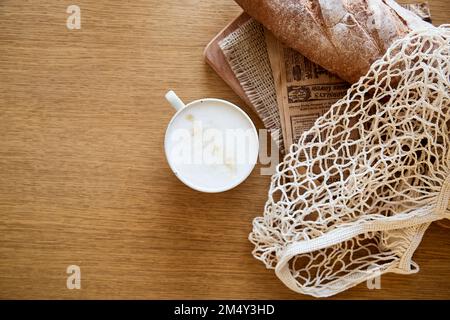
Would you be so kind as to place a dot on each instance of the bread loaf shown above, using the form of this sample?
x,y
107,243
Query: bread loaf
x,y
343,36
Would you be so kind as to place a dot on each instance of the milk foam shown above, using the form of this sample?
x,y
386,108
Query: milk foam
x,y
211,146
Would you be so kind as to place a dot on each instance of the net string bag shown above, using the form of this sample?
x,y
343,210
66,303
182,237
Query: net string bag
x,y
354,196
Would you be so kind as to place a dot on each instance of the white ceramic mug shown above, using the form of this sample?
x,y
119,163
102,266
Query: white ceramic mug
x,y
211,145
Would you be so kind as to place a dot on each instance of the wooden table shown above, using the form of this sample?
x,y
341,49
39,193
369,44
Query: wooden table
x,y
83,177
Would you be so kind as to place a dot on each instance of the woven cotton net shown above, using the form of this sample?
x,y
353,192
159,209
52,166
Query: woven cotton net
x,y
353,197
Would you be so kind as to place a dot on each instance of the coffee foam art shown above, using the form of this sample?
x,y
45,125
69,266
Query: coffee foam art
x,y
211,146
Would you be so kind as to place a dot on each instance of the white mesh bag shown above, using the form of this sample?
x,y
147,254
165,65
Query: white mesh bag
x,y
355,194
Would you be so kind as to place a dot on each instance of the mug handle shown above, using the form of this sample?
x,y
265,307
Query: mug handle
x,y
173,99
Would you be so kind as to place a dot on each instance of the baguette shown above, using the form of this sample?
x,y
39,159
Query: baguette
x,y
343,36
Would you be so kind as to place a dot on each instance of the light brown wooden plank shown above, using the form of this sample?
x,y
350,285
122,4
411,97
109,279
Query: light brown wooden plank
x,y
83,178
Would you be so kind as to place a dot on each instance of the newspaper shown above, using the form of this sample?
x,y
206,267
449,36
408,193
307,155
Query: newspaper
x,y
305,90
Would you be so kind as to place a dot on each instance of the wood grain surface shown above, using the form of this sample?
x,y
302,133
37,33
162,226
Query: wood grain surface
x,y
83,177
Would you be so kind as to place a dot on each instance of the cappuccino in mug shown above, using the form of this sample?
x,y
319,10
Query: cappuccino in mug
x,y
211,145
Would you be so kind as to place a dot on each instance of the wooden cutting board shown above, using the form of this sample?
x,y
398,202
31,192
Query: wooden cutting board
x,y
216,59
